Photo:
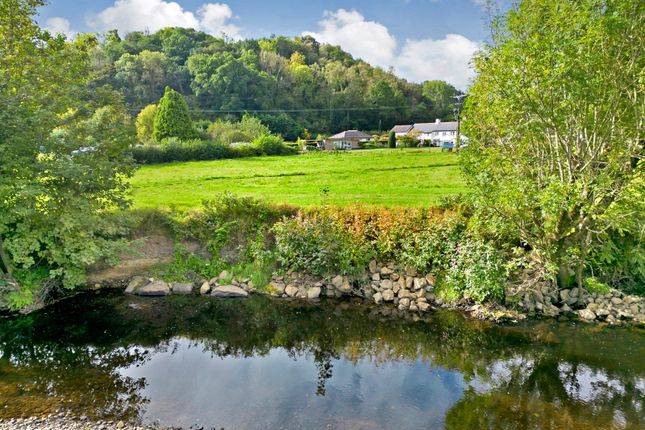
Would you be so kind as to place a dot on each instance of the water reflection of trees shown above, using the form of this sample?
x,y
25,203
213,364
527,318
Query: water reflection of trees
x,y
43,378
545,394
542,376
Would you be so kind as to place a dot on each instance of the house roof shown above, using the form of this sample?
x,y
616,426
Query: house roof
x,y
350,134
402,128
429,127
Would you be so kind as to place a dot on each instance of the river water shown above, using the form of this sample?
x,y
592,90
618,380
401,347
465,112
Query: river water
x,y
267,364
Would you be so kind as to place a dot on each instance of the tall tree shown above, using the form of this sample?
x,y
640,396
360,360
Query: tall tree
x,y
172,118
63,150
143,76
440,94
555,119
391,140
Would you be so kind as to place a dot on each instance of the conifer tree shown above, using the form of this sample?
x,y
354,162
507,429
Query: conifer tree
x,y
391,142
172,118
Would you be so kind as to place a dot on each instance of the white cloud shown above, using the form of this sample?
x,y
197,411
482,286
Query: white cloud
x,y
58,25
446,59
214,17
368,40
153,15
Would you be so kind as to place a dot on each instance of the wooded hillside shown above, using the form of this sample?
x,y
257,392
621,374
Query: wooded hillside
x,y
291,83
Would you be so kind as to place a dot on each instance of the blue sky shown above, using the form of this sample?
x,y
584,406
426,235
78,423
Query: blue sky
x,y
420,39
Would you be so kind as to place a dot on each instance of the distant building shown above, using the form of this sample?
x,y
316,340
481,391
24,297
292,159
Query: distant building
x,y
401,130
437,133
348,139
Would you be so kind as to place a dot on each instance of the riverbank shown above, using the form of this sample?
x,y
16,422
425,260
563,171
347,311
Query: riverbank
x,y
405,292
68,422
408,261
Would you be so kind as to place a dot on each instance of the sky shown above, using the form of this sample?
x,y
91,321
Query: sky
x,y
420,39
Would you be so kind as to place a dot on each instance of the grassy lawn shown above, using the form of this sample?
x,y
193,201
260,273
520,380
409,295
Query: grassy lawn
x,y
383,177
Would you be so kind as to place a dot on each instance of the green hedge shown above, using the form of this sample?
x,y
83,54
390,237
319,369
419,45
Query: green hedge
x,y
200,150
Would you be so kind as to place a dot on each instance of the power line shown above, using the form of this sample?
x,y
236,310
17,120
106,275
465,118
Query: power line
x,y
298,110
345,109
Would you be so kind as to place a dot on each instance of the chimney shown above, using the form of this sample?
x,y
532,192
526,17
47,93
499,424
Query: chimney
x,y
437,121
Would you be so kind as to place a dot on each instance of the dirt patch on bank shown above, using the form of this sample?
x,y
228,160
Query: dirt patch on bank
x,y
146,253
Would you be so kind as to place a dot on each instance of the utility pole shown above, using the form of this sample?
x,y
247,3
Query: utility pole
x,y
458,103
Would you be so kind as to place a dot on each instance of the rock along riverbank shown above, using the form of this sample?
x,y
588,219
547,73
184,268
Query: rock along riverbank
x,y
407,292
68,422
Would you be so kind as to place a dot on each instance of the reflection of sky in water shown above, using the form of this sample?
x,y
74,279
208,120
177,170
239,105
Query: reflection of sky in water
x,y
187,386
82,356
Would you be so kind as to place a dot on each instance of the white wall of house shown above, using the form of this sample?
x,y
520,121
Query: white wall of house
x,y
341,144
438,138
425,137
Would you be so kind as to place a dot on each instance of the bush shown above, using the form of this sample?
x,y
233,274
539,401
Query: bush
x,y
200,127
476,271
398,234
619,262
246,130
252,126
176,150
318,245
200,150
593,285
232,135
188,267
284,125
230,225
408,142
272,145
324,242
145,123
431,249
219,131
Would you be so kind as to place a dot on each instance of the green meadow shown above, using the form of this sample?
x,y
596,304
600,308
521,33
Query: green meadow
x,y
381,177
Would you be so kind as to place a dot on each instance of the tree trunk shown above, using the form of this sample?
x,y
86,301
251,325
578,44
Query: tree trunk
x,y
4,261
564,278
564,268
584,249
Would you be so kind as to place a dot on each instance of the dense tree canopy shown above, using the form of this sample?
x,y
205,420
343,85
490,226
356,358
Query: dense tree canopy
x,y
295,83
555,121
63,150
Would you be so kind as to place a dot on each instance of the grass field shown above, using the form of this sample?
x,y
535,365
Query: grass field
x,y
382,177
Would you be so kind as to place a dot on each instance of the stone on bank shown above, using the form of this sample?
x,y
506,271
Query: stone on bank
x,y
411,292
182,288
154,288
229,291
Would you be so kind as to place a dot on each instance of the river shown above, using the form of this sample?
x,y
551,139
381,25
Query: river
x,y
268,364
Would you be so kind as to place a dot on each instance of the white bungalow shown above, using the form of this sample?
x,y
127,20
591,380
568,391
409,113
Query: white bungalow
x,y
348,139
